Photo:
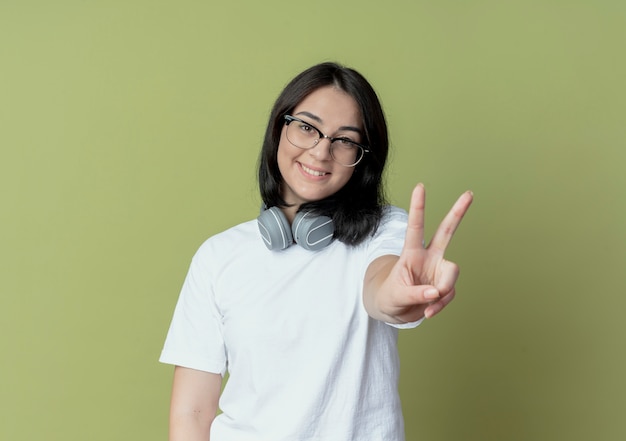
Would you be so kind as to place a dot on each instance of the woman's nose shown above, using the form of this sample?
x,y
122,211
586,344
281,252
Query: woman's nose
x,y
321,151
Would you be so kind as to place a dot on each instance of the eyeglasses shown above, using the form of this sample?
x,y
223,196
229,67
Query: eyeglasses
x,y
306,136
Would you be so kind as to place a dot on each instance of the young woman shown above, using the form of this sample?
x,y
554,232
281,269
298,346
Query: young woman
x,y
302,306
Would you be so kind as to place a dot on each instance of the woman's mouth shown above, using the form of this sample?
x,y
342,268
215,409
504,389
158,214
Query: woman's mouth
x,y
311,171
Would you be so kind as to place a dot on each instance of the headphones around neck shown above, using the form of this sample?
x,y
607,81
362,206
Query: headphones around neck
x,y
309,231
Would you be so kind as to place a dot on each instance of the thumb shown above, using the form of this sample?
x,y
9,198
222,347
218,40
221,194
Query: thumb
x,y
418,295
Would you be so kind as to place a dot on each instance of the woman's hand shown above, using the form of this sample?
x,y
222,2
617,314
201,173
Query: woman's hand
x,y
420,282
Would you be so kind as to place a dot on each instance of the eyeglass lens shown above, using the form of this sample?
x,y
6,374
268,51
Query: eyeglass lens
x,y
305,136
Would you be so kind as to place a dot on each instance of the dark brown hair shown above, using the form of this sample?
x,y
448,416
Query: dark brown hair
x,y
356,209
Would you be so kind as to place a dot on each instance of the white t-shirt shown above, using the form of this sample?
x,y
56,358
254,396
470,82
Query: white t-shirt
x,y
305,361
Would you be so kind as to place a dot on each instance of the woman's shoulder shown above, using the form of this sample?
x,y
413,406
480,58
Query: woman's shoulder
x,y
393,221
231,240
393,213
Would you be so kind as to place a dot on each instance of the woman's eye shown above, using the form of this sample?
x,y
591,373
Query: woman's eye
x,y
344,142
306,127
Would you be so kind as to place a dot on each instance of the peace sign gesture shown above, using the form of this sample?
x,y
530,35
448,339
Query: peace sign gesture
x,y
420,282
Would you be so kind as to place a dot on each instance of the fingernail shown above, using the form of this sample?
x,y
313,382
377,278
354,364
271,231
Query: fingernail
x,y
431,293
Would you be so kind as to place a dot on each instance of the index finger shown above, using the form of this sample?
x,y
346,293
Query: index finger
x,y
415,227
448,226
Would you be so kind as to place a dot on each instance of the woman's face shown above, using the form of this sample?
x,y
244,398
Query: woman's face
x,y
311,175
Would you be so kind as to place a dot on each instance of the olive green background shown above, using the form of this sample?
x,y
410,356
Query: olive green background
x,y
129,133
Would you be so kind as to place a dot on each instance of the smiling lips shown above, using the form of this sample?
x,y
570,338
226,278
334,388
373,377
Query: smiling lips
x,y
311,171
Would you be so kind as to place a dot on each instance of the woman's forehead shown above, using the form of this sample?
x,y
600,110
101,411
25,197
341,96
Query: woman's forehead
x,y
330,106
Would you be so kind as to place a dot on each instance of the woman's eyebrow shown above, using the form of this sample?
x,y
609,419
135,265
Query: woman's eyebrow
x,y
319,120
310,115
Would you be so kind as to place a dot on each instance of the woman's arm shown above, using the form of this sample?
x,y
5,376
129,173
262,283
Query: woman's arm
x,y
195,396
420,282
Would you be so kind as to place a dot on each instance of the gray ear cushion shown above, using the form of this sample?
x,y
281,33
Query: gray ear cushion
x,y
275,229
312,232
